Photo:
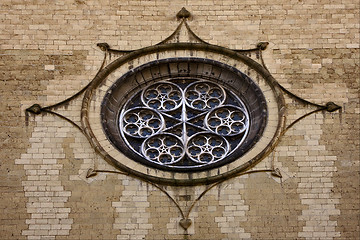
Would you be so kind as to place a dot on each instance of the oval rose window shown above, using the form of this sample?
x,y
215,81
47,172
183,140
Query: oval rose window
x,y
184,120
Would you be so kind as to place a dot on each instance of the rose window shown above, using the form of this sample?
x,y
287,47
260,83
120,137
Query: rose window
x,y
183,114
184,123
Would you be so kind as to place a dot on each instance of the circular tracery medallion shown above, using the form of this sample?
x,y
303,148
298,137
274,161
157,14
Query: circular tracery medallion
x,y
184,122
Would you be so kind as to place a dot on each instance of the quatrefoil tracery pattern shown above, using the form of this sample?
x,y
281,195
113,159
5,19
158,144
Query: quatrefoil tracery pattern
x,y
184,123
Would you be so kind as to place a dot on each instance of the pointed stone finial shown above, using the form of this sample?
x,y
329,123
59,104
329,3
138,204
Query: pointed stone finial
x,y
183,13
90,173
35,109
185,223
262,45
331,107
103,46
276,173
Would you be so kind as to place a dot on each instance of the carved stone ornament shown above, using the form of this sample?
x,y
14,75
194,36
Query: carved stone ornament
x,y
183,111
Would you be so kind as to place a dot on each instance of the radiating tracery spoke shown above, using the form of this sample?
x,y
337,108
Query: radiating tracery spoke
x,y
162,96
207,148
163,149
141,122
204,95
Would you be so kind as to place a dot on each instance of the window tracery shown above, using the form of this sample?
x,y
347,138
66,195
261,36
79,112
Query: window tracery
x,y
184,123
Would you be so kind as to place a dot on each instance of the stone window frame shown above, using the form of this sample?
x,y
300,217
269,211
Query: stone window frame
x,y
91,111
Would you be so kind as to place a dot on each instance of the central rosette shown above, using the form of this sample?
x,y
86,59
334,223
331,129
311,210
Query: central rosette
x,y
184,123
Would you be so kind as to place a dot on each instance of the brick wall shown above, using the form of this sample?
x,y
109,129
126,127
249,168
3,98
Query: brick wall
x,y
48,53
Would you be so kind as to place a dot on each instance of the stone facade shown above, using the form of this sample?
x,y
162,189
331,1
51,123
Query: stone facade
x,y
48,53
